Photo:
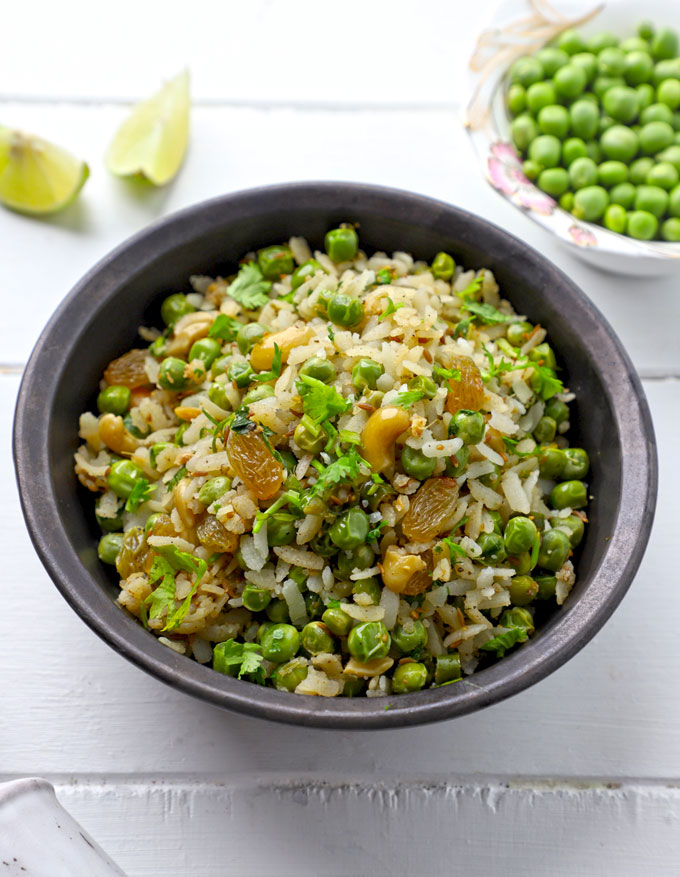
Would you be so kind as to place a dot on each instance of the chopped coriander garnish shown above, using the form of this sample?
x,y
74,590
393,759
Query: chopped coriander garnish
x,y
455,550
140,493
486,313
246,656
408,398
472,288
385,275
176,478
504,641
346,468
390,309
320,401
249,288
224,327
264,377
449,374
375,532
168,561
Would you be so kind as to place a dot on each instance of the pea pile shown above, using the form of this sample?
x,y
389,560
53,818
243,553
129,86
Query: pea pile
x,y
337,474
597,122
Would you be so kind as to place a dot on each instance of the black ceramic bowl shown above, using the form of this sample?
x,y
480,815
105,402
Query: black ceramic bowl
x,y
99,319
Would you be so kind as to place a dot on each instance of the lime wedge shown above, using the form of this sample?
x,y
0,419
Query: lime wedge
x,y
153,139
36,176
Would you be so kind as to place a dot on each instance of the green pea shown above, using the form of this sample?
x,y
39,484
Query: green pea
x,y
299,576
671,155
554,550
545,150
342,244
523,590
277,612
350,529
158,347
309,440
666,69
368,641
174,307
171,375
457,465
416,464
574,527
275,261
205,349
576,464
582,173
611,61
657,112
518,333
264,627
305,272
217,393
523,131
571,42
521,563
545,430
257,394
409,677
590,203
615,218
280,643
343,310
493,547
554,181
281,529
551,463
642,225
583,119
655,136
652,199
623,195
612,173
594,151
638,67
668,93
520,534
551,59
255,599
220,366
572,149
674,202
360,557
248,336
443,265
467,425
670,230
409,637
109,524
606,122
619,143
559,411
622,103
566,201
240,374
570,494
368,586
526,71
634,44
315,638
114,400
122,477
517,100
337,621
531,169
365,374
497,519
587,62
570,80
288,676
547,586
664,175
319,368
213,489
602,40
645,30
664,44
639,170
646,96
109,547
540,95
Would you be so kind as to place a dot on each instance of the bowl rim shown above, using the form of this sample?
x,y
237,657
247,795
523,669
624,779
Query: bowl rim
x,y
577,623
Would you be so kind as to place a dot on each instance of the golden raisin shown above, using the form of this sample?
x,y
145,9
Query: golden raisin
x,y
254,463
134,555
468,392
431,508
128,370
215,537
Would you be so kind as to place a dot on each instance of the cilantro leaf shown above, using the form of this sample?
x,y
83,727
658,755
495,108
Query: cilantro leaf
x,y
249,288
224,327
549,383
241,422
275,372
247,657
331,334
408,398
472,288
390,309
140,493
486,313
163,594
385,275
320,401
166,563
449,374
455,550
346,468
462,329
176,478
375,533
500,644
511,445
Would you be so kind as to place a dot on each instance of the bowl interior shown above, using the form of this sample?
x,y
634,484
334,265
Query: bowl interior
x,y
99,321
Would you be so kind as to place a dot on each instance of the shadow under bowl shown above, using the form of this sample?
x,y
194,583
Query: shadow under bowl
x,y
99,319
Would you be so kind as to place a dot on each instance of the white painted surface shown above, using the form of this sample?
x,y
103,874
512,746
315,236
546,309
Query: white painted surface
x,y
170,785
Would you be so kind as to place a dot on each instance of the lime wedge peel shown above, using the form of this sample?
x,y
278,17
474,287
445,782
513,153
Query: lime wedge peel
x,y
153,139
36,176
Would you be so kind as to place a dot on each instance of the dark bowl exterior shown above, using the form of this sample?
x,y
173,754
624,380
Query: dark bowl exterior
x,y
98,320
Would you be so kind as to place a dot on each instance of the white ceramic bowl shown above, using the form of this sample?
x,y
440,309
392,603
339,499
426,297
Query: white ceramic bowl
x,y
521,27
38,838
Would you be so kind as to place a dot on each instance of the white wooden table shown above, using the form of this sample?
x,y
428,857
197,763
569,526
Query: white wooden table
x,y
578,775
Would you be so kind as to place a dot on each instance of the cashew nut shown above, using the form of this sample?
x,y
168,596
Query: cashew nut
x,y
379,435
398,568
366,669
262,354
114,435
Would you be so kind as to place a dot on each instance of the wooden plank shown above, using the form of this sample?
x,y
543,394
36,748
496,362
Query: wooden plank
x,y
236,148
378,827
72,705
